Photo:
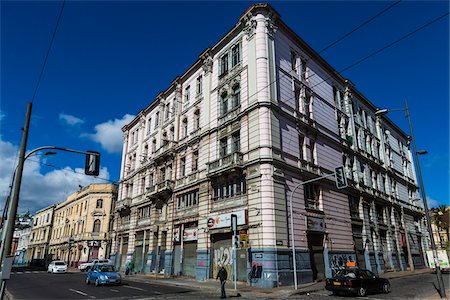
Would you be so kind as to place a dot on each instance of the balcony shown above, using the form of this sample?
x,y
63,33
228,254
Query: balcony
x,y
123,204
162,188
227,163
165,151
233,113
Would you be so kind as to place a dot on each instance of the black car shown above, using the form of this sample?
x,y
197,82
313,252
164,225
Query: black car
x,y
357,281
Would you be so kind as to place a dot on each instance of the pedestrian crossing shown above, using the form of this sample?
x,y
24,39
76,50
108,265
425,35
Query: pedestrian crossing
x,y
27,272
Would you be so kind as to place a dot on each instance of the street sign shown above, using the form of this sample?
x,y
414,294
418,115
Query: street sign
x,y
341,178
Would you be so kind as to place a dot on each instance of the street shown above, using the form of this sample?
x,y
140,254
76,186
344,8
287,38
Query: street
x,y
412,287
41,285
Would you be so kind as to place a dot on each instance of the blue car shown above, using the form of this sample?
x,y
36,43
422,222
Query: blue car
x,y
103,274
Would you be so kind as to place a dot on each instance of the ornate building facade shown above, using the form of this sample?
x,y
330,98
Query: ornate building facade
x,y
256,115
41,232
81,224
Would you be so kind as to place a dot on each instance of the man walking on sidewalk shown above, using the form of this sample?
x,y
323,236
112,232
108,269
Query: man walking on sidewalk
x,y
222,275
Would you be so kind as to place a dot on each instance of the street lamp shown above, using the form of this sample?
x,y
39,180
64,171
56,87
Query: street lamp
x,y
422,190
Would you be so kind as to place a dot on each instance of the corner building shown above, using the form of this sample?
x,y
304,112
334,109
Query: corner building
x,y
81,225
257,114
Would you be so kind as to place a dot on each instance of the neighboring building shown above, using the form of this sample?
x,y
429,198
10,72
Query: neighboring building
x,y
257,114
440,226
41,233
82,223
21,236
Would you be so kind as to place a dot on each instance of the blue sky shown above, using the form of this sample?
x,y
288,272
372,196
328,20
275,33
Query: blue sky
x,y
109,60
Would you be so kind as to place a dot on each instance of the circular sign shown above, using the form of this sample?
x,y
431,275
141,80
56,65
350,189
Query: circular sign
x,y
210,222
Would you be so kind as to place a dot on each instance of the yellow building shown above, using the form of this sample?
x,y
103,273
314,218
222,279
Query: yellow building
x,y
81,224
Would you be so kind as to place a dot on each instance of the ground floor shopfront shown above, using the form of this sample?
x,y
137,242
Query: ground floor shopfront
x,y
80,251
185,253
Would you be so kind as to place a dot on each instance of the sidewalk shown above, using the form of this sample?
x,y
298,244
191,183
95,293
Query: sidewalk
x,y
247,291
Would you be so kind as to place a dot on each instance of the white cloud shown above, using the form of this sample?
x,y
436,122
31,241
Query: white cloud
x,y
432,202
109,134
39,190
70,120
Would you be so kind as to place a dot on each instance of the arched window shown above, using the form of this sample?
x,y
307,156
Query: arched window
x,y
99,203
223,103
97,225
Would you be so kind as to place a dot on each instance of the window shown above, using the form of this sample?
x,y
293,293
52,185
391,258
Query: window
x,y
97,225
165,140
144,212
167,111
312,146
48,217
184,127
223,64
307,105
380,213
223,103
99,203
199,89
353,203
236,142
294,61
143,184
183,166
194,161
236,100
187,92
149,126
154,146
235,55
197,119
301,144
311,196
223,147
303,66
157,120
188,200
229,187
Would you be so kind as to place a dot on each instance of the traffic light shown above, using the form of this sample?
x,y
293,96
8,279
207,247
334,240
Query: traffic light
x,y
92,164
341,178
237,242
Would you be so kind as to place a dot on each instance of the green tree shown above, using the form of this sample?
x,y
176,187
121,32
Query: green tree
x,y
441,218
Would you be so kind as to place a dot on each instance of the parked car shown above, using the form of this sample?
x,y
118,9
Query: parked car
x,y
86,266
103,274
357,281
57,266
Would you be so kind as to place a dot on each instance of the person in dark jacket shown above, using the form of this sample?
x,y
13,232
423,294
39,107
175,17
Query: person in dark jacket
x,y
222,275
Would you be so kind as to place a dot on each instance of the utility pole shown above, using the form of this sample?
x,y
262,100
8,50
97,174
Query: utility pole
x,y
12,210
427,213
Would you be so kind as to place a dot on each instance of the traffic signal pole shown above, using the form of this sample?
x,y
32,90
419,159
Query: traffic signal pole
x,y
12,209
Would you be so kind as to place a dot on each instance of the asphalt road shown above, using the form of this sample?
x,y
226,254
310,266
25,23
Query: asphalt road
x,y
418,286
41,285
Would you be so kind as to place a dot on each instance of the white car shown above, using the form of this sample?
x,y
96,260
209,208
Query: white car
x,y
57,266
86,266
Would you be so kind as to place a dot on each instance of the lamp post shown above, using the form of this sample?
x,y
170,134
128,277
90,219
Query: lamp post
x,y
422,190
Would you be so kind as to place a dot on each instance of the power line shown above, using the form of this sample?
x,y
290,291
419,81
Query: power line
x,y
69,170
48,51
360,26
395,42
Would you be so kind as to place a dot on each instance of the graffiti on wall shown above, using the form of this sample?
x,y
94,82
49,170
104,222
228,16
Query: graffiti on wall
x,y
339,261
223,256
